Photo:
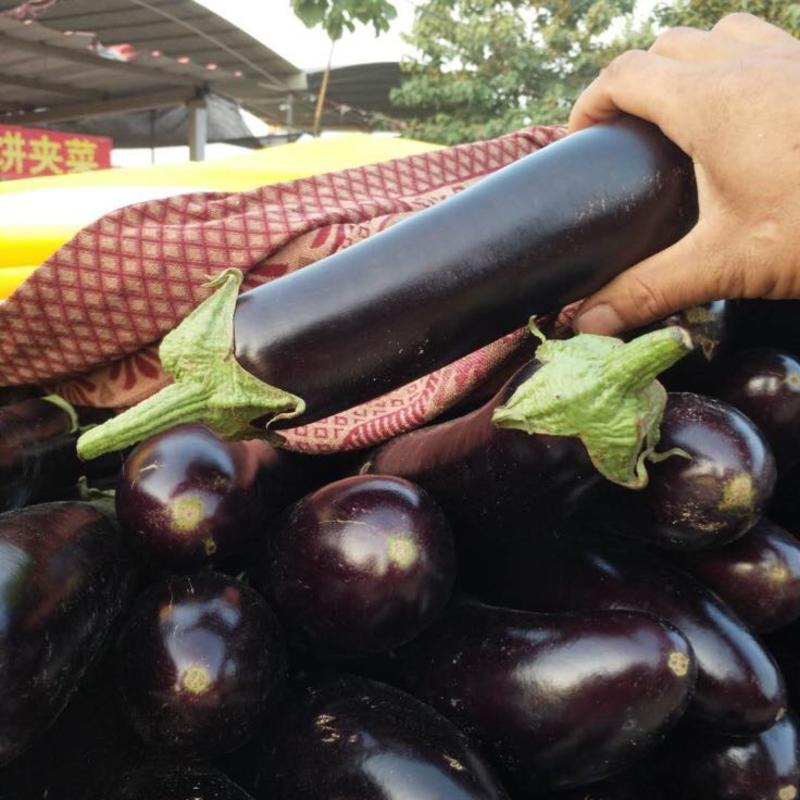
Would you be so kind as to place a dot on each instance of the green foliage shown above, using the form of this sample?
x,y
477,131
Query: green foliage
x,y
705,13
486,67
337,15
489,66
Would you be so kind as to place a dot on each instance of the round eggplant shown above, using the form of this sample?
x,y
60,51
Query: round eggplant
x,y
765,386
176,782
348,737
767,323
708,493
198,664
700,765
758,576
361,565
187,497
559,700
64,579
739,688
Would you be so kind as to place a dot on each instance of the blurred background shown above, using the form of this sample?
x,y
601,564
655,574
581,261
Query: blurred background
x,y
166,80
104,104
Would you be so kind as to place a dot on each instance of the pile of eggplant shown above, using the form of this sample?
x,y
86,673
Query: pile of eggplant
x,y
536,598
467,611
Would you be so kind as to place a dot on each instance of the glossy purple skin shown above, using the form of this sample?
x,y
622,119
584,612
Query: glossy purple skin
x,y
198,664
700,765
489,479
38,460
758,576
708,500
176,782
64,579
739,688
765,386
82,754
558,700
468,270
362,565
638,784
353,739
187,497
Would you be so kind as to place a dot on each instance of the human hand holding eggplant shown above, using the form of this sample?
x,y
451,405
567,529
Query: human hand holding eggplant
x,y
527,240
728,98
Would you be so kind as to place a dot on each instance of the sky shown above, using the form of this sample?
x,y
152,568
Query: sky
x,y
274,23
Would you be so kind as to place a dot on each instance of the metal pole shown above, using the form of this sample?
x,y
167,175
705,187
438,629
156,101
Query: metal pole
x,y
323,91
198,129
290,111
152,136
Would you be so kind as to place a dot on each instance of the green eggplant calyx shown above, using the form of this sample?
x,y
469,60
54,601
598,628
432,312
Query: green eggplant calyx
x,y
604,392
210,386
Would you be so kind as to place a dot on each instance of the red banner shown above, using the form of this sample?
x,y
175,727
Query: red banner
x,y
30,152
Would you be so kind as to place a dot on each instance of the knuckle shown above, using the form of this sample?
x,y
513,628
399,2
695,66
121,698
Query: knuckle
x,y
623,64
672,39
736,21
646,298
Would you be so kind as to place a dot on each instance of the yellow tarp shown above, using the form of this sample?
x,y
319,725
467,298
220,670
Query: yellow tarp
x,y
39,214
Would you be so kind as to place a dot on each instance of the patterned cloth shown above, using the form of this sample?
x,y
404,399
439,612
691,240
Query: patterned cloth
x,y
87,323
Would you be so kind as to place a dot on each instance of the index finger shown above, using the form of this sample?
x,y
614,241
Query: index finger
x,y
641,83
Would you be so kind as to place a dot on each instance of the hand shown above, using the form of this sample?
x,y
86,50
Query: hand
x,y
730,98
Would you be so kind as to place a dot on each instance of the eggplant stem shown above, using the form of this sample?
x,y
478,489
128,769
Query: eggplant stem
x,y
604,393
210,386
636,364
173,405
67,408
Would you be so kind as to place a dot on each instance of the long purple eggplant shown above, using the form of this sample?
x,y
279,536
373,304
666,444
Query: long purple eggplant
x,y
764,384
83,753
165,781
557,700
544,231
483,476
347,737
739,687
64,578
636,784
758,576
37,453
698,764
38,462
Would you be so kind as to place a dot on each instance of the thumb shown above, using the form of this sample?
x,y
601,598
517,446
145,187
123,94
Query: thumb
x,y
676,278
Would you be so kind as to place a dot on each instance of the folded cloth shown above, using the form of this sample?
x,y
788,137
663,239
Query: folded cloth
x,y
87,323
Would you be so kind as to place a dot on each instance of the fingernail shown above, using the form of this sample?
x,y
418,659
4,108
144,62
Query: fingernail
x,y
601,320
